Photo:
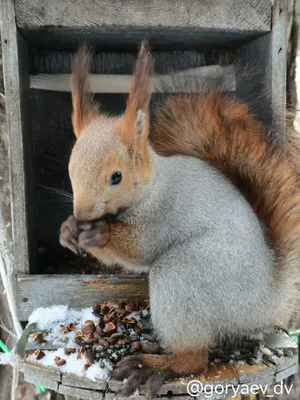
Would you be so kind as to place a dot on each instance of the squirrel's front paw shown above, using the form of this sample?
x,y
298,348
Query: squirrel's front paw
x,y
93,234
69,233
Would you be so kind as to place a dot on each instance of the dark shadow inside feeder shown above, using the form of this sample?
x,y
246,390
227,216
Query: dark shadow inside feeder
x,y
52,140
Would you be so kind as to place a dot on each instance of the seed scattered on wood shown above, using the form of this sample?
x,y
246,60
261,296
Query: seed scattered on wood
x,y
103,343
59,361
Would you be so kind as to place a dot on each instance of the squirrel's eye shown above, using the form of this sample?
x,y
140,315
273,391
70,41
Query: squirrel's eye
x,y
116,178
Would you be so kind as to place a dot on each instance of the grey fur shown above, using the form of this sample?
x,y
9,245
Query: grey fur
x,y
210,268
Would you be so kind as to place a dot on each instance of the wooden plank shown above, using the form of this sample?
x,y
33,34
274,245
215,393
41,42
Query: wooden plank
x,y
288,362
193,79
16,81
37,372
253,373
252,15
77,291
286,373
261,76
79,381
47,383
80,393
217,374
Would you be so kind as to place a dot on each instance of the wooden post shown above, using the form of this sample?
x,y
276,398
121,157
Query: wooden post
x,y
261,76
16,81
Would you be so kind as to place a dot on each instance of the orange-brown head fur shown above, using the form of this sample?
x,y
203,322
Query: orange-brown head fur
x,y
107,144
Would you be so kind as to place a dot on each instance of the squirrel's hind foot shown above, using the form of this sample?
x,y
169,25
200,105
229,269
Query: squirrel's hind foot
x,y
137,372
154,370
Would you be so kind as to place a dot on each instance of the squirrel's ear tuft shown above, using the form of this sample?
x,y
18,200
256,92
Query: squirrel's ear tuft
x,y
84,107
137,110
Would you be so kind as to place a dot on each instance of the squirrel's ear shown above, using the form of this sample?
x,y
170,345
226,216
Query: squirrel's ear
x,y
84,107
136,115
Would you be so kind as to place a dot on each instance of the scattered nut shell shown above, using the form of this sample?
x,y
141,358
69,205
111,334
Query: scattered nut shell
x,y
71,327
129,321
120,311
114,338
79,340
88,327
96,308
91,339
101,323
90,356
64,329
100,330
110,328
69,351
38,337
39,354
59,361
105,309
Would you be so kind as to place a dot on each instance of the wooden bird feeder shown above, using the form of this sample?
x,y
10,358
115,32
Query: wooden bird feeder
x,y
39,38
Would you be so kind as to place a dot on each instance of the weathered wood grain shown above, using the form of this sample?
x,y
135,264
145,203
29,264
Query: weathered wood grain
x,y
252,373
293,369
228,378
77,291
48,377
75,380
16,82
227,14
80,393
261,76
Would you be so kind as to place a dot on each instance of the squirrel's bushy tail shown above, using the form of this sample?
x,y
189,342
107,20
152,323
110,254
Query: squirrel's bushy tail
x,y
223,131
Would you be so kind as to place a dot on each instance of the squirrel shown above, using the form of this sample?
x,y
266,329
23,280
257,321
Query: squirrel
x,y
203,203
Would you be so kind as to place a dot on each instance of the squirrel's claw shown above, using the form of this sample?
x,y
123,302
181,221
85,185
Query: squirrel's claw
x,y
137,373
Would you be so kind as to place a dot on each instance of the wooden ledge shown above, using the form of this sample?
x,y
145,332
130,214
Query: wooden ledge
x,y
229,376
78,291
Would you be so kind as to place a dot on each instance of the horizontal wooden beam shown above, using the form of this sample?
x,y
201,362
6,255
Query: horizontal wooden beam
x,y
250,15
76,291
187,80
